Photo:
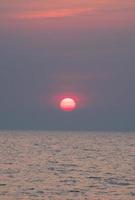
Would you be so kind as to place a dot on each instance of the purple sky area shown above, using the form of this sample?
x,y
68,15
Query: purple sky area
x,y
82,49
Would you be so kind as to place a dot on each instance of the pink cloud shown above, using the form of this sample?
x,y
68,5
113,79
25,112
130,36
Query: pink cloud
x,y
59,13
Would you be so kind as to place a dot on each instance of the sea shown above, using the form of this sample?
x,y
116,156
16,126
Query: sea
x,y
41,165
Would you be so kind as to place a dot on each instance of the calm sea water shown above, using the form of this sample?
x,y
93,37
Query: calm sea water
x,y
67,166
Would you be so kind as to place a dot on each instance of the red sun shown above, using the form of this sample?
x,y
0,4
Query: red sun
x,y
67,104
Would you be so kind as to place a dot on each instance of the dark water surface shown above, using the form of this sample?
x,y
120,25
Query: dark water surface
x,y
66,166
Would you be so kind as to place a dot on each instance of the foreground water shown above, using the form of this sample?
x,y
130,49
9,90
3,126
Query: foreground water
x,y
67,166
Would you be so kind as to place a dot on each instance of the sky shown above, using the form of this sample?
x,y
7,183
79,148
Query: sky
x,y
82,49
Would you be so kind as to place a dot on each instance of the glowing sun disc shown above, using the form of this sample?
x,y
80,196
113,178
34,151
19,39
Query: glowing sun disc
x,y
67,104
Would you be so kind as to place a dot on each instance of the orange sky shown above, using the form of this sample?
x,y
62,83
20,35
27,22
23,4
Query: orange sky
x,y
63,8
66,14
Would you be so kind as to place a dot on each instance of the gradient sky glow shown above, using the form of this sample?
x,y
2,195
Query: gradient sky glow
x,y
53,49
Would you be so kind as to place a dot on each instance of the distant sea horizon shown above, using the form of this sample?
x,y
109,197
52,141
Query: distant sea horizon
x,y
70,130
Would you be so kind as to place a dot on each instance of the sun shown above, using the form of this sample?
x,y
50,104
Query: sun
x,y
68,104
